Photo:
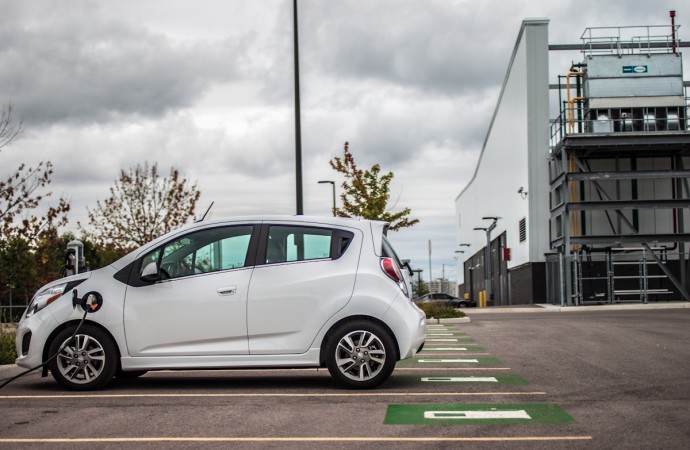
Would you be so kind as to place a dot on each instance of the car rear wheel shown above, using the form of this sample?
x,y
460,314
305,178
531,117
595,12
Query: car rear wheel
x,y
87,361
360,354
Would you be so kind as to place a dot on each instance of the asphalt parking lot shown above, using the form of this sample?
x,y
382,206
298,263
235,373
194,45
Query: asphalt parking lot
x,y
603,379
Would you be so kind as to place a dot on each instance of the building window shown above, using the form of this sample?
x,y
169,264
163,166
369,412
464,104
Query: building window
x,y
522,229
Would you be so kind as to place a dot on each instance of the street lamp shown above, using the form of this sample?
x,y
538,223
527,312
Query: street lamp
x,y
298,128
488,267
419,280
332,183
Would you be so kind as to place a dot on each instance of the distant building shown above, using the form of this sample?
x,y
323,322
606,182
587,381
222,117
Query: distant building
x,y
442,286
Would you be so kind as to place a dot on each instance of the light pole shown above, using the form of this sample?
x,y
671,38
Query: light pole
x,y
332,183
298,128
419,280
488,268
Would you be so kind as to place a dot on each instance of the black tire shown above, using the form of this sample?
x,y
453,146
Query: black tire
x,y
128,374
90,368
366,371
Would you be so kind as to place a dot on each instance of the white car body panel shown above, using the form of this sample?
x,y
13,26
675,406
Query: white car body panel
x,y
289,302
195,315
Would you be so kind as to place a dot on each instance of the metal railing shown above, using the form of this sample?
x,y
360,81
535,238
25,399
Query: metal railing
x,y
580,120
615,276
629,40
11,313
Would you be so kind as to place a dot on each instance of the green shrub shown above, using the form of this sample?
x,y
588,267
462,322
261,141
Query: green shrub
x,y
439,310
7,350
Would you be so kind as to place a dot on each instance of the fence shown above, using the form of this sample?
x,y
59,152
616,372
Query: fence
x,y
11,313
615,275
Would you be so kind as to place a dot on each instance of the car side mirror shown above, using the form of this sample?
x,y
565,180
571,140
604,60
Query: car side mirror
x,y
150,273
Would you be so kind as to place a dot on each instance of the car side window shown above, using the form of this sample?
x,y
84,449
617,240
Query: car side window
x,y
205,251
286,244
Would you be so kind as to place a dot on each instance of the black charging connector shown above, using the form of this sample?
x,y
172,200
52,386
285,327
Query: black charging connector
x,y
90,303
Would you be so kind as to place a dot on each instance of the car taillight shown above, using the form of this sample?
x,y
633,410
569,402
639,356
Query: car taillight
x,y
390,269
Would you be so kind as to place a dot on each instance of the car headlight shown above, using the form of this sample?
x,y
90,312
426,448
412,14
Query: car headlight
x,y
45,298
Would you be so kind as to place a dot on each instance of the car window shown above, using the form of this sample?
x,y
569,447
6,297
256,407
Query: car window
x,y
287,244
205,251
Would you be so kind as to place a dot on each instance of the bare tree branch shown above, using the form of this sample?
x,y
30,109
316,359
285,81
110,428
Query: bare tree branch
x,y
9,128
20,191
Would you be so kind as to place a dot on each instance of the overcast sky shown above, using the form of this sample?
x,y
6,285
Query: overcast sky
x,y
207,86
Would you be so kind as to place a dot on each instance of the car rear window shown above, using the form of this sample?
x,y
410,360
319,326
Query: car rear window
x,y
300,243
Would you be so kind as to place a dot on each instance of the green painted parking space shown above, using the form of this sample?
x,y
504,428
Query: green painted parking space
x,y
446,378
476,414
464,348
486,361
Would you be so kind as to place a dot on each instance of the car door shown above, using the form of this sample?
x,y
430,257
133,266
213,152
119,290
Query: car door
x,y
198,305
304,274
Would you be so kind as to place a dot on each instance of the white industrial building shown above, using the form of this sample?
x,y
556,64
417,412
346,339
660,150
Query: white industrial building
x,y
587,202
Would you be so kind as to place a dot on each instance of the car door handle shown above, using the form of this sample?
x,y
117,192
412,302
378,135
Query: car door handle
x,y
229,290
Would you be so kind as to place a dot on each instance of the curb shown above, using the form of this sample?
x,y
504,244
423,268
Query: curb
x,y
449,320
547,308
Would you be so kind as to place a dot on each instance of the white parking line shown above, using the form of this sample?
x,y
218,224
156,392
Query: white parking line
x,y
460,379
355,394
465,415
446,349
434,361
293,439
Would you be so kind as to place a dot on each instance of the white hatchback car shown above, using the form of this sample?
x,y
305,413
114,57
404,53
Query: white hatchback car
x,y
242,293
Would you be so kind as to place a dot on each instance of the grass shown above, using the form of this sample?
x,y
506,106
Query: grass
x,y
439,310
7,350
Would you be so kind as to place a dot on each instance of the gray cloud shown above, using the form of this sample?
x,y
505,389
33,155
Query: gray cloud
x,y
83,67
435,46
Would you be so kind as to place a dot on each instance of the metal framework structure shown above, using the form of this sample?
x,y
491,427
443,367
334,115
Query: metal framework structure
x,y
601,156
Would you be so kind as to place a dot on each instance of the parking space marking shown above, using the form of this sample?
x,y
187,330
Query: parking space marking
x,y
480,360
444,333
459,349
293,439
476,414
467,360
356,394
460,379
454,369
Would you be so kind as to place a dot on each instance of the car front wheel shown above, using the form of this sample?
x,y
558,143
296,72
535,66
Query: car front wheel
x,y
86,361
360,355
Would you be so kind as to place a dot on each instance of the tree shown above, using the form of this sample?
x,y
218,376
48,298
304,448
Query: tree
x,y
142,206
366,193
22,191
419,287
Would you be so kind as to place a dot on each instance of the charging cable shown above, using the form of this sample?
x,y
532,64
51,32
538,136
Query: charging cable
x,y
90,303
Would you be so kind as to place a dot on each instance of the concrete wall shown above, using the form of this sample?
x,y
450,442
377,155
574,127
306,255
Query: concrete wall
x,y
514,155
